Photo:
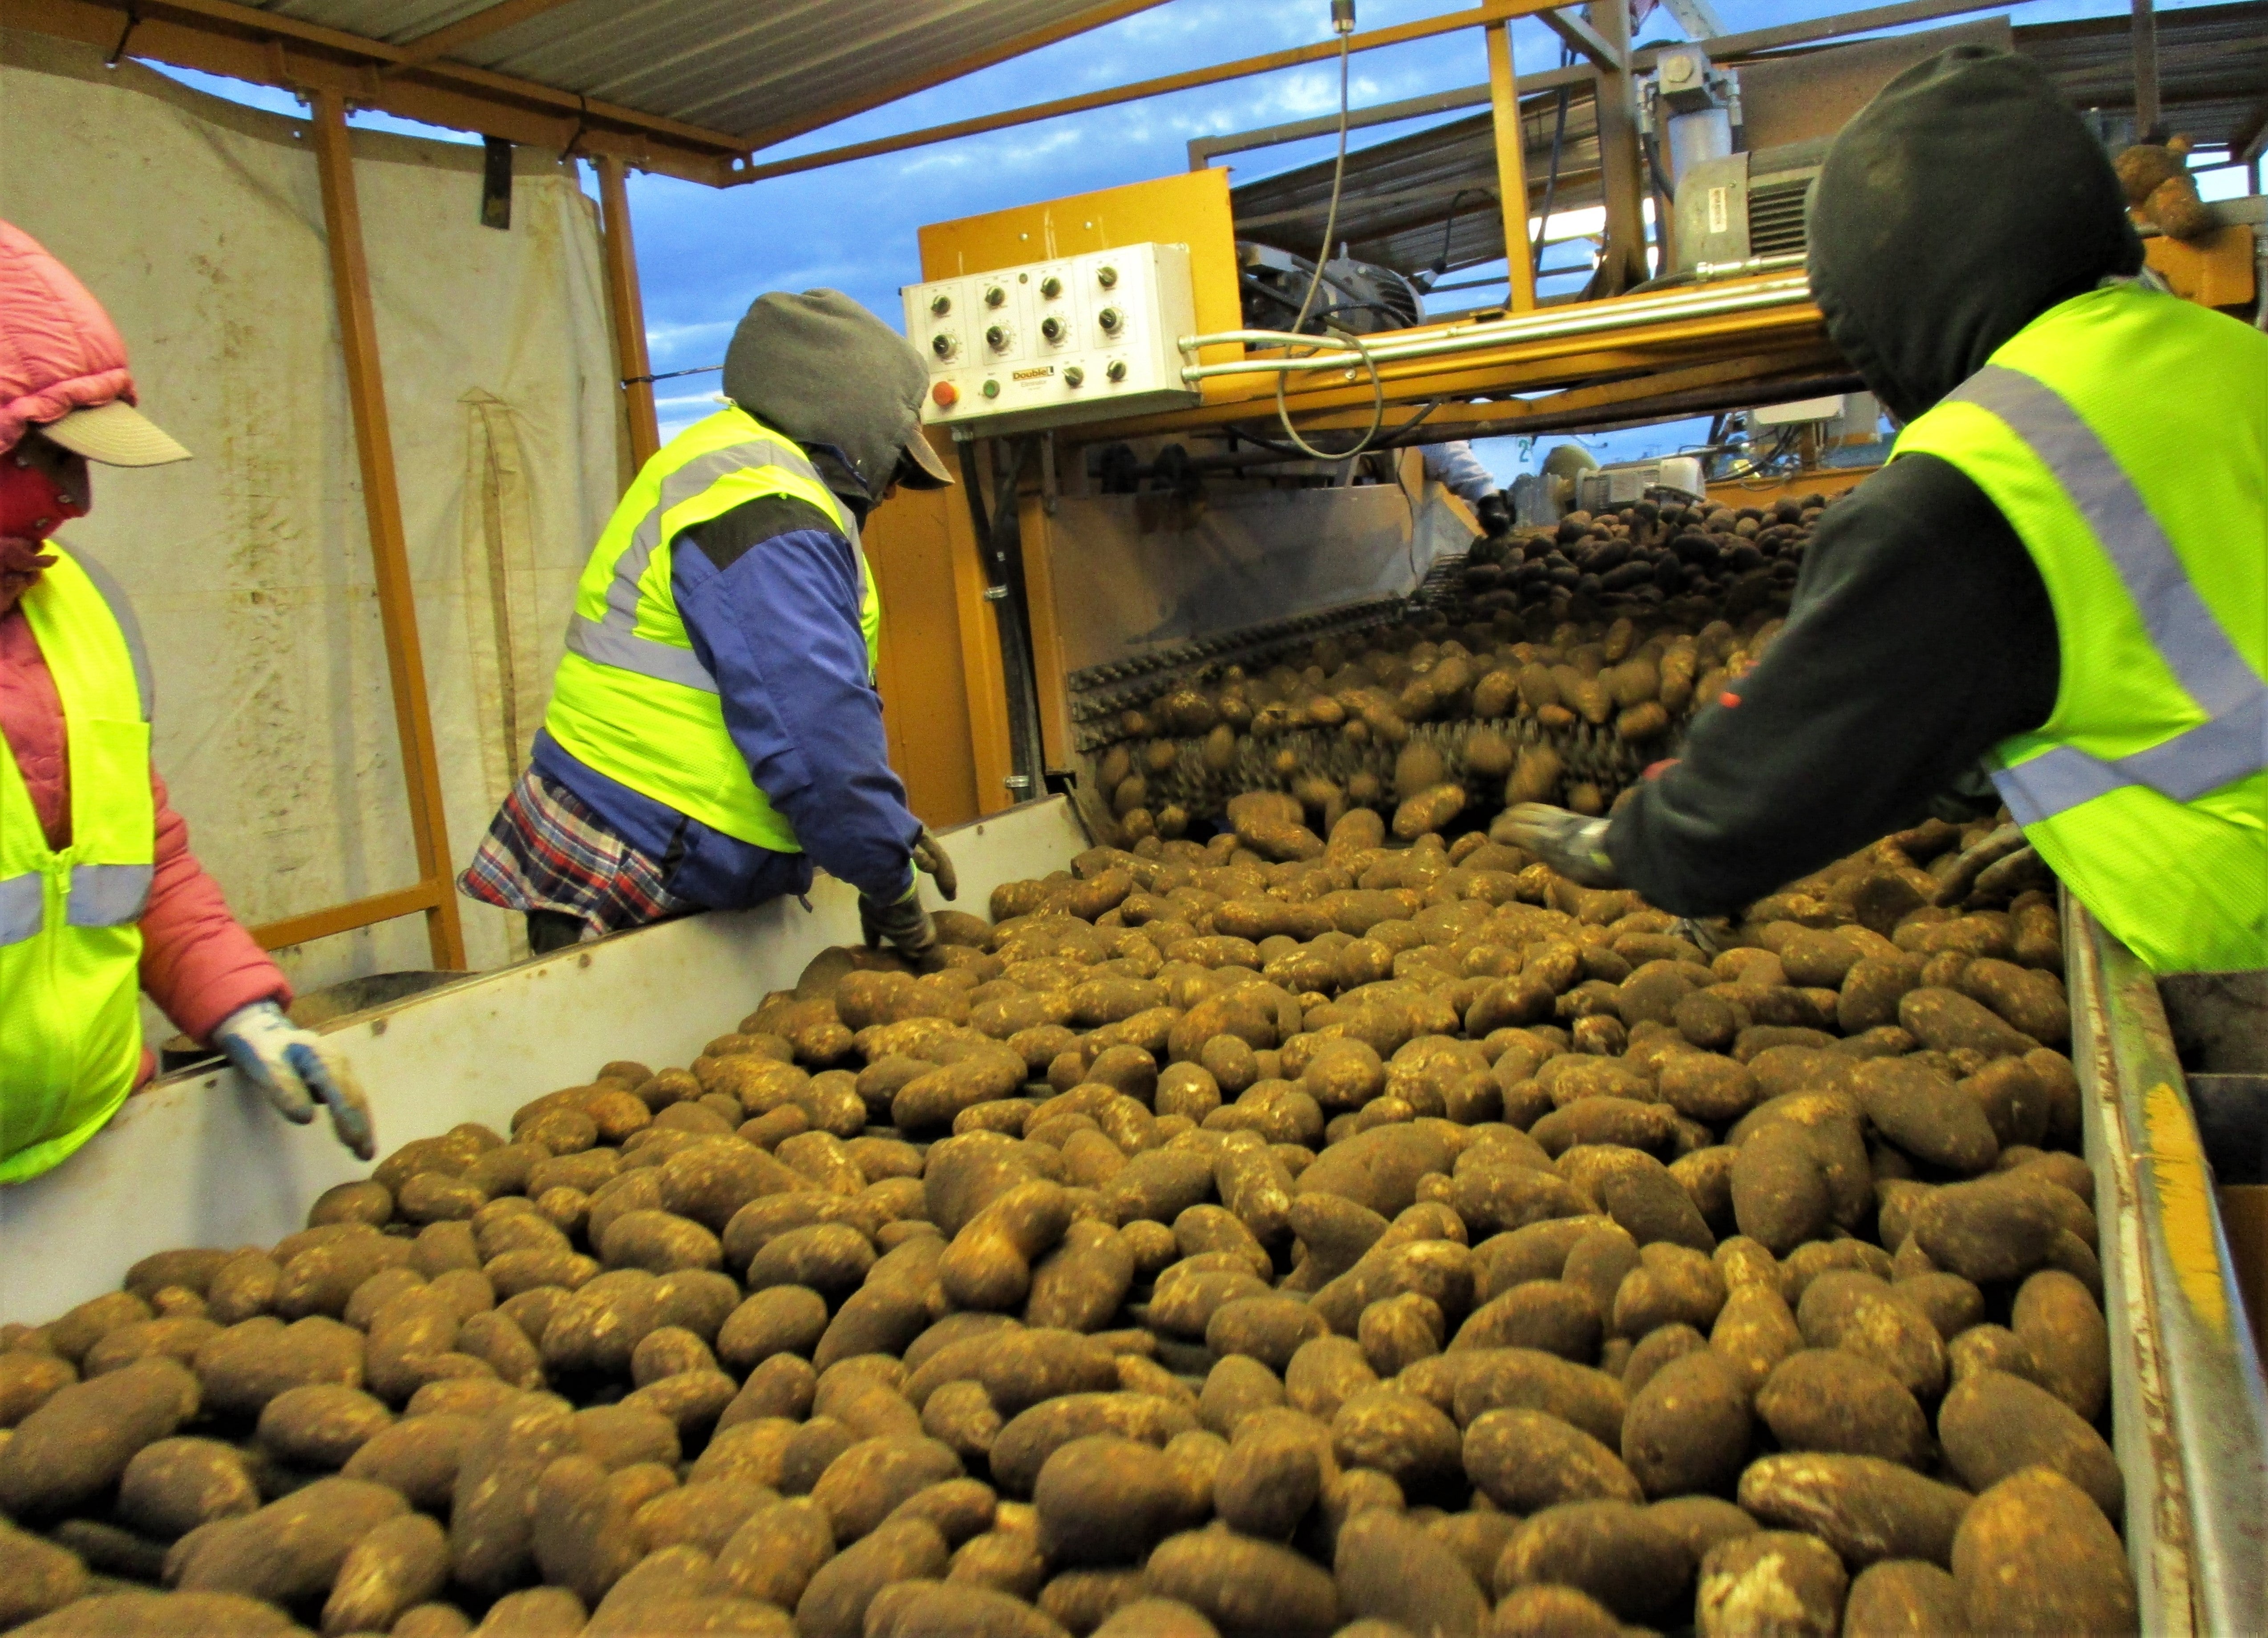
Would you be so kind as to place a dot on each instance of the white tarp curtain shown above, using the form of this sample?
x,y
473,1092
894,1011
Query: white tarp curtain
x,y
199,224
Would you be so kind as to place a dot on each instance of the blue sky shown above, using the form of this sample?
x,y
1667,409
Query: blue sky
x,y
704,254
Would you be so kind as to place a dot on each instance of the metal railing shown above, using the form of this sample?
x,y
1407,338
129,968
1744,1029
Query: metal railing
x,y
2189,1416
1357,353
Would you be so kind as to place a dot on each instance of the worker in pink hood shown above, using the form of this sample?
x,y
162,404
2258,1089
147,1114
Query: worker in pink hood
x,y
100,895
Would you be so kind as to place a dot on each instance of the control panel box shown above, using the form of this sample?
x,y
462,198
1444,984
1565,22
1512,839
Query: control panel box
x,y
1079,338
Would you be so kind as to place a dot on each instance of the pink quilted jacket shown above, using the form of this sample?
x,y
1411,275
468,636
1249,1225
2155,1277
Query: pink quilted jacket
x,y
59,350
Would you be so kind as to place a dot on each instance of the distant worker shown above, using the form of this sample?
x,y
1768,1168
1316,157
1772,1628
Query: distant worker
x,y
100,895
714,730
1456,468
2064,569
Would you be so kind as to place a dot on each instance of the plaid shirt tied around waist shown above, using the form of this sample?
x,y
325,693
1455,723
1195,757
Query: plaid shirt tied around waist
x,y
547,850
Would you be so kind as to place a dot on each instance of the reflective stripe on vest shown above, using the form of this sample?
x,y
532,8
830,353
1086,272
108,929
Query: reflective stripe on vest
x,y
70,944
632,699
613,640
101,895
2230,746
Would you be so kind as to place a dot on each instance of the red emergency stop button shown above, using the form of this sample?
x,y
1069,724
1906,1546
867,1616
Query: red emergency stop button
x,y
946,394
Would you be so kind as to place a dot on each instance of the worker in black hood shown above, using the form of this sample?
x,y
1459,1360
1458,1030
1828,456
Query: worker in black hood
x,y
2060,571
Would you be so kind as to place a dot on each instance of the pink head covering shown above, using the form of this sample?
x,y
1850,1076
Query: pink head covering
x,y
59,350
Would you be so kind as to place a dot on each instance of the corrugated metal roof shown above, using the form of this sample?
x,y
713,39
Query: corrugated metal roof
x,y
2213,65
2212,61
729,65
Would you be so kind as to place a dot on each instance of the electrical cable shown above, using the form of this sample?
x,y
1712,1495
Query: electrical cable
x,y
1377,408
1551,180
1331,217
1401,438
1441,262
1315,282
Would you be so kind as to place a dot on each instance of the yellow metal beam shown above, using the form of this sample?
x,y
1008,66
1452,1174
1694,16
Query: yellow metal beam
x,y
1734,341
1582,37
1621,164
1511,167
1627,395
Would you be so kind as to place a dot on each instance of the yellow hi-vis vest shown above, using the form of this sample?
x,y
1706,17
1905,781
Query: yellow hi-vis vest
x,y
632,699
2124,434
71,939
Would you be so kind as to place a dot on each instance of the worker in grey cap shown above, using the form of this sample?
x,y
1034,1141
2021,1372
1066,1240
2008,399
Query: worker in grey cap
x,y
714,731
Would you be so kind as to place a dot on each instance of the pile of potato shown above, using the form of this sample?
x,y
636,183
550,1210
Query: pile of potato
x,y
1288,1234
1571,658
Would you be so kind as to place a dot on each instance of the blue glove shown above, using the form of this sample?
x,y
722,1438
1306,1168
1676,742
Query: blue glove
x,y
295,1067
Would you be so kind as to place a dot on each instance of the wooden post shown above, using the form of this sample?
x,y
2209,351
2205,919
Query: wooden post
x,y
2146,70
1511,167
629,309
1621,164
397,606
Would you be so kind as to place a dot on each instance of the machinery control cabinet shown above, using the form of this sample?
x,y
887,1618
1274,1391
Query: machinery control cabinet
x,y
1077,338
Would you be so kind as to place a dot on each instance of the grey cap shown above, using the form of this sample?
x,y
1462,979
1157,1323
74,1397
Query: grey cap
x,y
823,370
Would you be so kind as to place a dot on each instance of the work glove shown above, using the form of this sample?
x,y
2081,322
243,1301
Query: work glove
x,y
2019,872
1966,874
1574,846
904,925
1495,513
930,856
296,1068
1708,937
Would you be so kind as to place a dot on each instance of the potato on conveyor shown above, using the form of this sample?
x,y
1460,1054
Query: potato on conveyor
x,y
1328,1220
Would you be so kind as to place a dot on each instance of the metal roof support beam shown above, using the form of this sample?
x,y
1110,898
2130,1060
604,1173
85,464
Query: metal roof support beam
x,y
1698,17
389,550
1203,149
430,47
1582,38
2146,70
1512,167
2251,137
1092,17
1400,33
626,305
1620,163
1722,48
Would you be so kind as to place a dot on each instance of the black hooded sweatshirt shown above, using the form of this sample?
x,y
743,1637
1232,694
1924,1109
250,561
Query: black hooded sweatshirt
x,y
1963,202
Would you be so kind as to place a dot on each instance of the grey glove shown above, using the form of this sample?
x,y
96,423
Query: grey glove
x,y
1494,512
905,926
1960,875
930,858
1574,846
1705,936
295,1069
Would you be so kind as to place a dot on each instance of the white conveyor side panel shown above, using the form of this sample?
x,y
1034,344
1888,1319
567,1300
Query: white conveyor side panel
x,y
200,1160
